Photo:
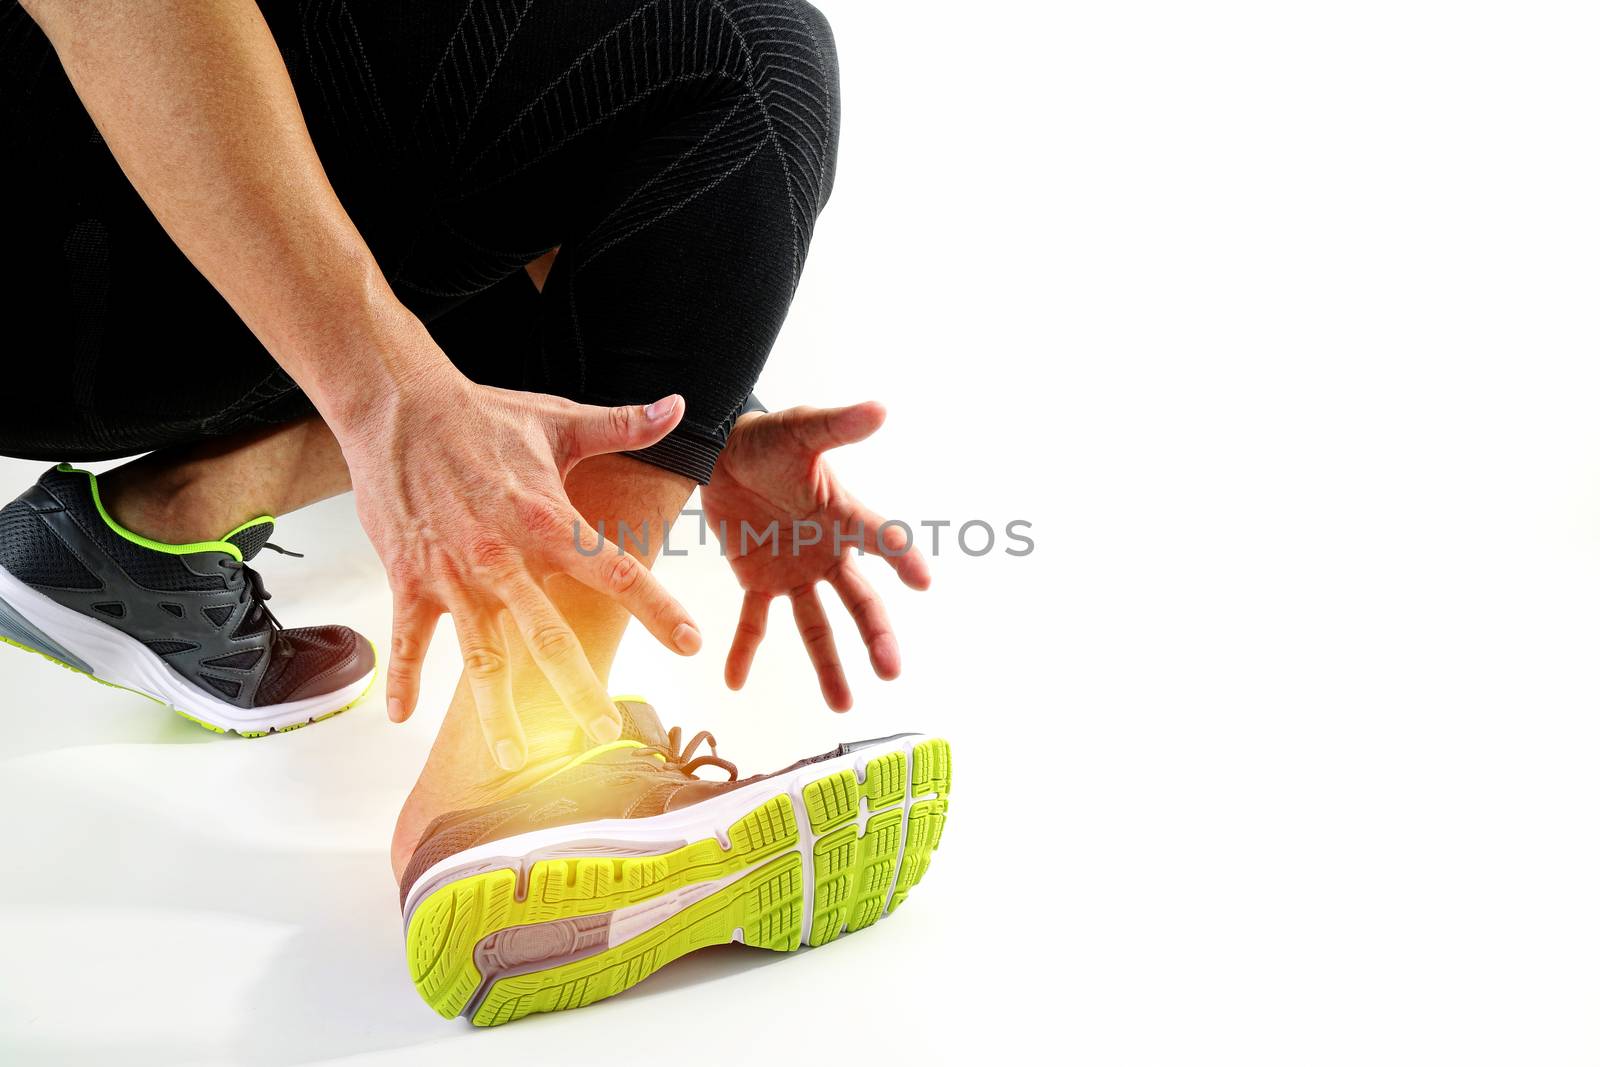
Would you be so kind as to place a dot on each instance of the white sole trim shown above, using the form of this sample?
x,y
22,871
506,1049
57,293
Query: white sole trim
x,y
663,833
125,661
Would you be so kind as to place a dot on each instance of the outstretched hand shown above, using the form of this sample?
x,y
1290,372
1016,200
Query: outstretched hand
x,y
772,471
460,488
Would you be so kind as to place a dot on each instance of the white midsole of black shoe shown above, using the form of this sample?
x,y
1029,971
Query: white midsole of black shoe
x,y
112,656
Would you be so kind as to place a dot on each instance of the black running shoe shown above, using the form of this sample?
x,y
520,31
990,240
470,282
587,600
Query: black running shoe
x,y
186,625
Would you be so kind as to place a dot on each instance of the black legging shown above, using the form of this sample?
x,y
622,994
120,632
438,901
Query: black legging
x,y
677,152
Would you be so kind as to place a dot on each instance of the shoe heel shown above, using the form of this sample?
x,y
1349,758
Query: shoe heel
x,y
15,629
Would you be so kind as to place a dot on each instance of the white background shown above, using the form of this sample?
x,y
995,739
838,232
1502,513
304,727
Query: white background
x,y
1277,320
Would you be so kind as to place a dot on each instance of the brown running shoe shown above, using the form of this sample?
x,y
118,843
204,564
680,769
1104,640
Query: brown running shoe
x,y
622,860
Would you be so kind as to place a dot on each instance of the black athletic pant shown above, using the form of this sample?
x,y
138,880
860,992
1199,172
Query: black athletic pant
x,y
677,152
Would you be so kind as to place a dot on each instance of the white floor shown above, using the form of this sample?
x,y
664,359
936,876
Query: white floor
x,y
172,896
1278,322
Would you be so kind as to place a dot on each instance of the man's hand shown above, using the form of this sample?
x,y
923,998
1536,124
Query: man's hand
x,y
460,487
772,472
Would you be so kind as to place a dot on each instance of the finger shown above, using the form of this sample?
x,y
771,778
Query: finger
x,y
820,429
412,632
891,543
812,622
746,638
872,619
555,648
483,654
627,580
592,430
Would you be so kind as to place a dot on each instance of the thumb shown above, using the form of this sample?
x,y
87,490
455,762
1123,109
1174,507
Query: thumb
x,y
595,430
820,429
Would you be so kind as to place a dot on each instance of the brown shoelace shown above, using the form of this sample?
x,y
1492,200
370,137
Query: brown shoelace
x,y
679,757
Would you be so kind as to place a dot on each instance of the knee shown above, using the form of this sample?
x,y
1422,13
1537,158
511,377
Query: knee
x,y
796,68
827,59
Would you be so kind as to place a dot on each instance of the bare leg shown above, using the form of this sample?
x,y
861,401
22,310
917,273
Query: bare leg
x,y
199,492
460,772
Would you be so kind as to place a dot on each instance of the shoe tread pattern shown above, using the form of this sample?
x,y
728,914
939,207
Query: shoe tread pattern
x,y
853,870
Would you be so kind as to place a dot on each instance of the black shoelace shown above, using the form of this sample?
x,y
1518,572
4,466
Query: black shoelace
x,y
253,592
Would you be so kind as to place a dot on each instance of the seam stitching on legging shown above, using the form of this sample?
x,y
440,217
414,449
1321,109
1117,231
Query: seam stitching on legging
x,y
529,108
366,66
747,77
335,63
788,180
580,351
657,178
258,394
467,288
402,273
578,91
499,53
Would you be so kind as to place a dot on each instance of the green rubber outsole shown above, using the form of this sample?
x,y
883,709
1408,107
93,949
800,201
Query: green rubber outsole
x,y
857,869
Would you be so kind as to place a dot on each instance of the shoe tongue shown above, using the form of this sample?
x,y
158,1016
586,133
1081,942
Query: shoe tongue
x,y
639,722
249,538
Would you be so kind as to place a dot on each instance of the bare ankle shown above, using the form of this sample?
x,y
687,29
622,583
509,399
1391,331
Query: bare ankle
x,y
167,504
199,492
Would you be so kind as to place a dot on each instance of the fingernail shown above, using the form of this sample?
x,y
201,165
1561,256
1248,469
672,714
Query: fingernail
x,y
509,755
662,408
687,638
605,729
396,711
